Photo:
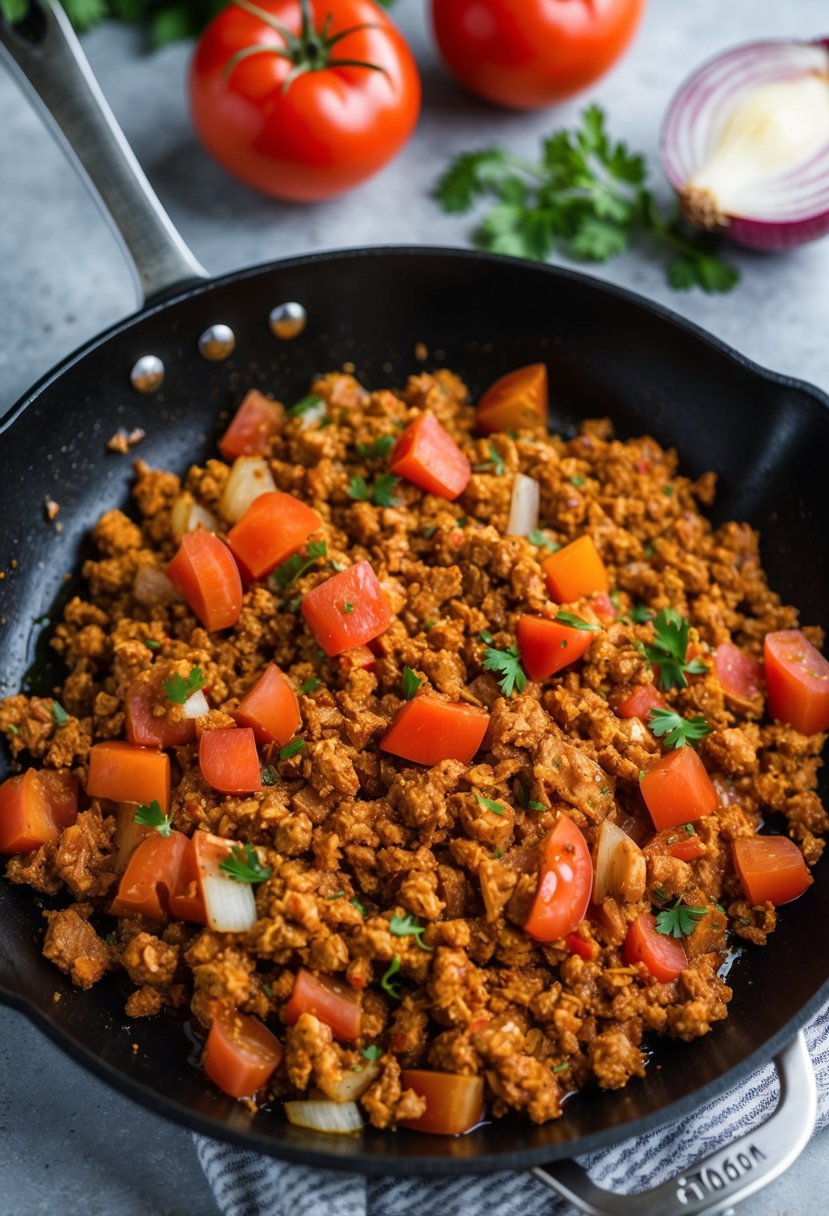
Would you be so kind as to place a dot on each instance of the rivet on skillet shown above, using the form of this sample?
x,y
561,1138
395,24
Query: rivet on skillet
x,y
287,320
216,343
148,374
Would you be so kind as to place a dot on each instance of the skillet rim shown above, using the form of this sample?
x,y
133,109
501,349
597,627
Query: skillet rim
x,y
401,1162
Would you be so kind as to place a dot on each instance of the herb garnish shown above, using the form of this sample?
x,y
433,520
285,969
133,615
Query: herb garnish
x,y
408,926
539,538
586,196
294,568
495,464
679,919
243,865
640,614
506,663
151,643
386,982
378,449
486,636
59,715
524,800
291,749
678,731
361,908
382,493
178,689
576,622
490,805
304,405
372,1052
269,775
411,683
309,685
668,648
150,815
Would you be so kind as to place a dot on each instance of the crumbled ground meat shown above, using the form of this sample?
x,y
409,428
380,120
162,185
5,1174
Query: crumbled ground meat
x,y
409,886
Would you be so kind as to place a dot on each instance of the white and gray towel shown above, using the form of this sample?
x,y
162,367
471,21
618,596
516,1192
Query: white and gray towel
x,y
246,1184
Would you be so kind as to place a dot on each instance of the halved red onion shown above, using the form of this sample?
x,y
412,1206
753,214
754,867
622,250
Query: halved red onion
x,y
523,508
745,144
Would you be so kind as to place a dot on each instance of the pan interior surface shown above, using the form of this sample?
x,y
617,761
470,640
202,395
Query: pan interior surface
x,y
391,314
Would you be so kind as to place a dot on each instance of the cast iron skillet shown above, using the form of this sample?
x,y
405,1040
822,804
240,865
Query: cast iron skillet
x,y
608,352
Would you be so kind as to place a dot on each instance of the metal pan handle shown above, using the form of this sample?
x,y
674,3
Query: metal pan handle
x,y
47,58
723,1179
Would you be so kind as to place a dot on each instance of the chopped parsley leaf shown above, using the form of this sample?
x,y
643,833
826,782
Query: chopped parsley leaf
x,y
151,643
679,919
361,908
507,665
495,464
243,865
577,479
304,404
269,775
491,805
411,683
378,449
539,538
59,715
408,926
678,731
294,568
576,622
386,982
178,689
486,636
336,895
372,1053
309,685
668,649
291,749
150,815
640,614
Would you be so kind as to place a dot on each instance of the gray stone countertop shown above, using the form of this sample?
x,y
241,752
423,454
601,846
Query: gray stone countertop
x,y
67,1143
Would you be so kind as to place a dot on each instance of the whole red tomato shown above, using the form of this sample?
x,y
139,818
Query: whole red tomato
x,y
303,99
530,53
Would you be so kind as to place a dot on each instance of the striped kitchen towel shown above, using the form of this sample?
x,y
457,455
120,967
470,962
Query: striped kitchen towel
x,y
246,1184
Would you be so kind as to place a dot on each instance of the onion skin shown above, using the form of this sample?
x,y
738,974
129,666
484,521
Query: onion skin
x,y
767,235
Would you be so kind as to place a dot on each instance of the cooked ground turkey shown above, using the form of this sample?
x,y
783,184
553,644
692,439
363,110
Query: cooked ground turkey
x,y
354,836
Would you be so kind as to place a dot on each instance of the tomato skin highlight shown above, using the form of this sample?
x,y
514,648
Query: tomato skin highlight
x,y
241,1054
428,457
252,427
229,761
125,773
327,615
565,881
531,54
274,528
151,875
454,1103
331,128
270,708
677,789
204,573
741,676
143,728
575,571
770,868
663,956
797,678
427,731
518,401
328,1001
639,702
548,646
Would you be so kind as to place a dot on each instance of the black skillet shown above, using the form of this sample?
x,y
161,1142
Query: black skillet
x,y
608,352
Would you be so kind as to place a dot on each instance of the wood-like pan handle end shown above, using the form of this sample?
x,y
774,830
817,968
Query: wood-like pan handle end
x,y
47,58
724,1178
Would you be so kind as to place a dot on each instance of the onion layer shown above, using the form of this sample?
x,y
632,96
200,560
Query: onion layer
x,y
340,1118
523,508
620,865
746,144
249,477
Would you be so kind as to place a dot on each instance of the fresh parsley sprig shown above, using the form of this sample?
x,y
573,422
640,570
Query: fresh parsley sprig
x,y
178,689
676,731
381,493
679,919
668,649
585,196
386,982
507,665
408,926
310,402
243,865
378,449
292,569
150,815
495,463
410,683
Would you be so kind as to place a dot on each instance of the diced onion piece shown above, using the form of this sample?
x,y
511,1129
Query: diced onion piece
x,y
620,865
196,705
249,477
351,1085
151,586
229,905
188,515
128,834
314,413
523,508
337,1118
